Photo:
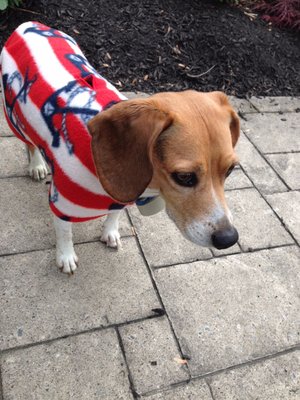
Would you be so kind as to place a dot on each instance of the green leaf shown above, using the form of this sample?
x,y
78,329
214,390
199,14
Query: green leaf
x,y
3,4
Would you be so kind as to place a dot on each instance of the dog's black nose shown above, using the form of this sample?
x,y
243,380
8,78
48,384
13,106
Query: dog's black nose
x,y
225,238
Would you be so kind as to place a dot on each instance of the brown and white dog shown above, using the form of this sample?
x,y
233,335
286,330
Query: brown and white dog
x,y
176,145
182,144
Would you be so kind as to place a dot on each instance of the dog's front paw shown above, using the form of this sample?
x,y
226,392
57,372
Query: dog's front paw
x,y
67,261
37,171
112,238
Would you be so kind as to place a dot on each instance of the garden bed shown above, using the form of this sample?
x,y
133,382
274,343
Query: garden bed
x,y
157,45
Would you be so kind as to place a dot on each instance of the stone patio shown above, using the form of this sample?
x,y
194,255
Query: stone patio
x,y
161,318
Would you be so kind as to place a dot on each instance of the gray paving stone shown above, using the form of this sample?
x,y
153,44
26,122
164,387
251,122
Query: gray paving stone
x,y
275,104
83,367
194,390
4,128
161,241
241,105
151,354
14,160
26,223
278,378
136,95
39,303
237,180
288,167
287,206
274,133
255,221
233,309
263,176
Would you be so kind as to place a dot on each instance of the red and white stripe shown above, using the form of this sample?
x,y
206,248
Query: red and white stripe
x,y
80,194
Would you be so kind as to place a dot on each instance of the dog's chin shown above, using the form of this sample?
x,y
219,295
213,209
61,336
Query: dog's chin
x,y
195,233
199,241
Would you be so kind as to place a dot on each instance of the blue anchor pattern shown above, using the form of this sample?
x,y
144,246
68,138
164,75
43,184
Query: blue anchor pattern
x,y
20,96
49,33
51,108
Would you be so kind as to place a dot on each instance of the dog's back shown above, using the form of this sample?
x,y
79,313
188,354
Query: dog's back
x,y
50,92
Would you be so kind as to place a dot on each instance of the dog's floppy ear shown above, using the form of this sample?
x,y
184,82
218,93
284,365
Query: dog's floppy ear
x,y
234,127
234,124
123,139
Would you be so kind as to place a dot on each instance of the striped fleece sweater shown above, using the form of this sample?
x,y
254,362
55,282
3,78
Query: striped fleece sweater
x,y
50,92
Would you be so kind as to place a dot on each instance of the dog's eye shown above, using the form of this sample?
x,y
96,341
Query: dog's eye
x,y
188,179
230,170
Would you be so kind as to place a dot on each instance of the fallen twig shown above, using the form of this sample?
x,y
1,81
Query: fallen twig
x,y
24,9
203,73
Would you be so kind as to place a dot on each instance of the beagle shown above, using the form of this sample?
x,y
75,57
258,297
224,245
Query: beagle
x,y
106,152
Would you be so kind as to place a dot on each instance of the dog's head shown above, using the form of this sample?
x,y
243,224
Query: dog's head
x,y
180,143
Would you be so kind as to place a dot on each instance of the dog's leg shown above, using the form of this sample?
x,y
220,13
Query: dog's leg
x,y
37,165
66,257
110,234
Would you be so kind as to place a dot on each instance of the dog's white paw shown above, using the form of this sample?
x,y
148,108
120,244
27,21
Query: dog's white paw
x,y
112,238
38,173
67,261
37,168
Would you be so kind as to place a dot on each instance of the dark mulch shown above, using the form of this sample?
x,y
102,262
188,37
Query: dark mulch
x,y
155,45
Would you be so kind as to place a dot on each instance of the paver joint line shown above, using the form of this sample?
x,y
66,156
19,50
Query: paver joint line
x,y
265,199
158,294
266,160
132,389
97,329
210,389
220,256
281,221
282,152
249,362
1,382
206,377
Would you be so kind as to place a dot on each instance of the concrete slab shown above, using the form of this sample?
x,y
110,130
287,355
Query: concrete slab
x,y
237,180
287,206
255,221
161,241
288,167
263,176
39,303
195,390
278,378
83,367
275,104
14,159
274,133
26,223
151,354
4,128
241,105
136,95
233,309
